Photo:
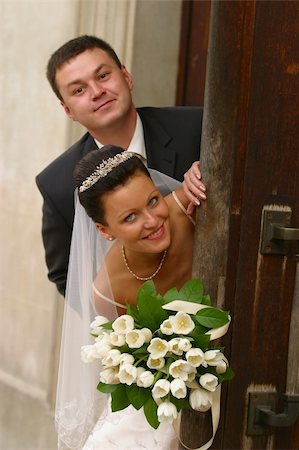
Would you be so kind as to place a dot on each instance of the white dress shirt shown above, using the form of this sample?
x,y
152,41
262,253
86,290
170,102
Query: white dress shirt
x,y
137,144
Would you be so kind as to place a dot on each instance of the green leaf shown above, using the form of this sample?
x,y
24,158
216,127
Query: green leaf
x,y
171,295
124,349
211,317
150,412
200,340
133,312
140,351
206,300
147,288
119,398
180,403
192,291
226,376
138,396
106,388
199,329
107,325
150,309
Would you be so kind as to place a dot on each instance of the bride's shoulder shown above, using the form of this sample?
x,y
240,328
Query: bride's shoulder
x,y
177,204
111,271
111,264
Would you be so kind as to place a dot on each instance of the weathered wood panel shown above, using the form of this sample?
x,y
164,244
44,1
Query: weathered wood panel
x,y
250,159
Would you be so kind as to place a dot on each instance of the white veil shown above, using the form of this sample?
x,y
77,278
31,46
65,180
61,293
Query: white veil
x,y
78,403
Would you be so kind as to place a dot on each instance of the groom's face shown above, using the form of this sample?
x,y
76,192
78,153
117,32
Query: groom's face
x,y
95,91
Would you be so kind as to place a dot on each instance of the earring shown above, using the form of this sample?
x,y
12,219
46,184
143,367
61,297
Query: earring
x,y
111,238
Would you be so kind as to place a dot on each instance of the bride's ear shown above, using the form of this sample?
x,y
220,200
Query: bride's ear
x,y
104,231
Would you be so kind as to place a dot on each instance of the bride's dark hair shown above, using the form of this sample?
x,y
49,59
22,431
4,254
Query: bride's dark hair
x,y
91,198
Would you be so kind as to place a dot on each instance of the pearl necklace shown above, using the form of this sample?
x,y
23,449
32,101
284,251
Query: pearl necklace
x,y
134,274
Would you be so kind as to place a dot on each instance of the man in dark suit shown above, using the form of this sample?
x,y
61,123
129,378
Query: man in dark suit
x,y
94,89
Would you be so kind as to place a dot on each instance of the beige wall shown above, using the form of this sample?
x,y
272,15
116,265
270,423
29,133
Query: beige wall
x,y
34,131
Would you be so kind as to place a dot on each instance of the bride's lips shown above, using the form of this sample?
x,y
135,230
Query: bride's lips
x,y
156,234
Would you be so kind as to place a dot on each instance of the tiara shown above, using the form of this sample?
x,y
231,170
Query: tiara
x,y
104,168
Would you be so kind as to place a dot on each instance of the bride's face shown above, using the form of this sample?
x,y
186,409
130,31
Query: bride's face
x,y
137,215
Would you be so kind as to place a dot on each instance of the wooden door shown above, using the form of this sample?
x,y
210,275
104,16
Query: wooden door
x,y
250,163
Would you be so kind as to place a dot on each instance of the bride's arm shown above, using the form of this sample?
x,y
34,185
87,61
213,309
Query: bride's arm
x,y
178,202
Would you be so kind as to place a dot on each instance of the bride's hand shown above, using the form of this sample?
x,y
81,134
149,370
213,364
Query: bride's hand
x,y
194,189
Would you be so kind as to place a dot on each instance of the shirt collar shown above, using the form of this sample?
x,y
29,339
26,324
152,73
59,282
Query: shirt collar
x,y
137,144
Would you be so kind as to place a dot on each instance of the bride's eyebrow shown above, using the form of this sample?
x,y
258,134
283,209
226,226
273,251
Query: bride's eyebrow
x,y
154,192
123,213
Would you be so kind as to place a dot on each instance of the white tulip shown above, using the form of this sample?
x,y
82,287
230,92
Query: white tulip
x,y
221,367
161,388
167,412
166,327
178,388
174,346
184,344
117,340
123,324
104,338
98,321
97,331
216,358
109,376
102,349
127,374
195,357
213,356
140,370
145,379
192,384
147,334
155,363
209,382
191,373
158,348
200,399
112,358
180,369
182,323
126,358
88,353
135,338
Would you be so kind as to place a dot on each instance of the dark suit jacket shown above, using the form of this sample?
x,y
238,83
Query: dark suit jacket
x,y
172,140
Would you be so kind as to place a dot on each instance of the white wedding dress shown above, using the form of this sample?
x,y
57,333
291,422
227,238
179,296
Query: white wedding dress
x,y
129,430
83,416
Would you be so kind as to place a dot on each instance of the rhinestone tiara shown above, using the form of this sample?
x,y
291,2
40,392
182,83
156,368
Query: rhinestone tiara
x,y
104,168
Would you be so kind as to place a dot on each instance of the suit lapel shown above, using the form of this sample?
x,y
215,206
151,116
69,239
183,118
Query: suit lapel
x,y
89,145
156,139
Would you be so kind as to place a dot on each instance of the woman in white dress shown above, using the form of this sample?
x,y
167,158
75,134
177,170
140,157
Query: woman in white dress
x,y
140,236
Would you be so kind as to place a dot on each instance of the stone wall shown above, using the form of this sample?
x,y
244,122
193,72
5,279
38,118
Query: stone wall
x,y
34,130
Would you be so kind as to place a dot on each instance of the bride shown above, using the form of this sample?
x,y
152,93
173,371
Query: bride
x,y
135,234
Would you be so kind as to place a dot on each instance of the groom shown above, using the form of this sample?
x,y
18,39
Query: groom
x,y
94,89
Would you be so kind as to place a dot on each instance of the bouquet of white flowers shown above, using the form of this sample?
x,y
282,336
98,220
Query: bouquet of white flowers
x,y
158,356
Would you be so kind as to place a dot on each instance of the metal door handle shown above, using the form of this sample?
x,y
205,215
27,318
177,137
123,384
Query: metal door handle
x,y
264,415
285,233
276,231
